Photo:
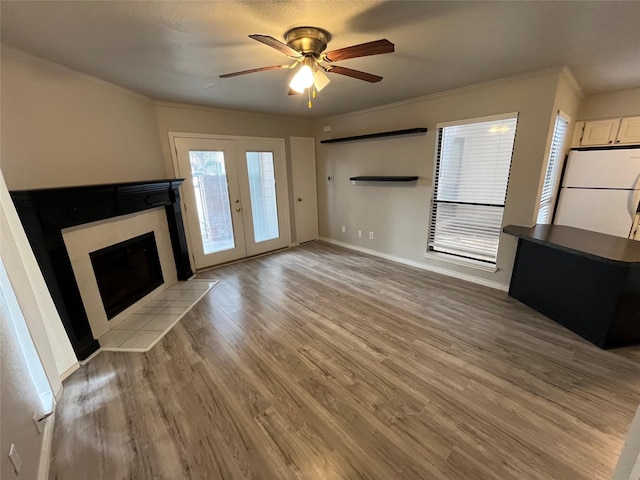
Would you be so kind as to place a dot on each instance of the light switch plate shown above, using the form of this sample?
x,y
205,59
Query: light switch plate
x,y
15,459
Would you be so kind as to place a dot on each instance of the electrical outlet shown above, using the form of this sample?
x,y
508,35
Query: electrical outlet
x,y
14,458
370,235
359,233
40,420
344,229
39,424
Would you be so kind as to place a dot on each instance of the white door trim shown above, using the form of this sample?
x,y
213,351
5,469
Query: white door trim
x,y
207,136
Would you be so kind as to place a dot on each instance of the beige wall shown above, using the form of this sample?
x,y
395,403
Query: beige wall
x,y
62,128
567,100
19,397
45,326
398,213
194,119
623,103
628,467
174,117
18,401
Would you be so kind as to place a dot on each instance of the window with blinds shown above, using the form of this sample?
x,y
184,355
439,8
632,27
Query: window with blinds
x,y
551,177
471,177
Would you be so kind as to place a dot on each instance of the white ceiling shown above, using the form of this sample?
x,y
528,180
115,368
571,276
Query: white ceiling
x,y
175,51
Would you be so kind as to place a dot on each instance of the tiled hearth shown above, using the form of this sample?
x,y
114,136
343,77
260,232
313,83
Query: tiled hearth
x,y
155,317
46,213
81,240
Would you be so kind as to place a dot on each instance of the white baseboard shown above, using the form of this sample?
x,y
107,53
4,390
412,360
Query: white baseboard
x,y
45,450
69,371
297,244
90,357
423,266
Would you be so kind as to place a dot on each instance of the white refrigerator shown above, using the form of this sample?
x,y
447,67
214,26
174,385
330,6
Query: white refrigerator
x,y
601,191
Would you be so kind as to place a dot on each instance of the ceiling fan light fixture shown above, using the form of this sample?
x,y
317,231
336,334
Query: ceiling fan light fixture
x,y
320,80
303,78
307,45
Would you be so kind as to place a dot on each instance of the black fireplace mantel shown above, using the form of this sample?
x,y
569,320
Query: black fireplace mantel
x,y
44,213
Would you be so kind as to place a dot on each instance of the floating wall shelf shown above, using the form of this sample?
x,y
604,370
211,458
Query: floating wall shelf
x,y
383,179
395,133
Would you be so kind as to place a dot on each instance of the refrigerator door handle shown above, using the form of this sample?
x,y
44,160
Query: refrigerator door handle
x,y
634,198
634,228
634,202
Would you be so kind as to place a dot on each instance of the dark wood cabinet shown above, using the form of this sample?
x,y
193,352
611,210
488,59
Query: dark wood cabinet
x,y
587,281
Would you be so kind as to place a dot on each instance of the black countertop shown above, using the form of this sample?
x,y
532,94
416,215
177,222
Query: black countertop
x,y
598,246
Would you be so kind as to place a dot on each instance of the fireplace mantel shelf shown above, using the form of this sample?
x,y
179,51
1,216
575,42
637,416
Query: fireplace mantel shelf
x,y
45,212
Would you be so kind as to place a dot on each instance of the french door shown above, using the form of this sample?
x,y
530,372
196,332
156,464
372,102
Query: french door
x,y
235,197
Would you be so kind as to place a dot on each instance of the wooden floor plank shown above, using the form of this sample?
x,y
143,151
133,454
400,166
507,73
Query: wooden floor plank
x,y
322,363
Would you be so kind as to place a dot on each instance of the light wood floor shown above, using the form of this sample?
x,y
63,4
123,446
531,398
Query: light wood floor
x,y
321,363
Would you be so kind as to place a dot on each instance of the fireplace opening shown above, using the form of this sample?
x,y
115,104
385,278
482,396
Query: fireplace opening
x,y
126,272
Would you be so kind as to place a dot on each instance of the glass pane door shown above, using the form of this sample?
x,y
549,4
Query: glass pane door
x,y
209,177
262,186
235,197
212,199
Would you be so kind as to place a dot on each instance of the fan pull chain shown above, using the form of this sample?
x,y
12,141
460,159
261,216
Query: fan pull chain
x,y
309,93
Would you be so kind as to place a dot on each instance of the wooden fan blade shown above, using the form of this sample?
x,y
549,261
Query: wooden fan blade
x,y
376,47
350,72
293,92
277,44
253,70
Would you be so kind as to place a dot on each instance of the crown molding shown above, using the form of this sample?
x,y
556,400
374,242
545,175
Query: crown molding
x,y
567,75
206,108
455,91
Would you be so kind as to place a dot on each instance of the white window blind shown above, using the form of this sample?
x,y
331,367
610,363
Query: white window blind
x,y
472,173
550,186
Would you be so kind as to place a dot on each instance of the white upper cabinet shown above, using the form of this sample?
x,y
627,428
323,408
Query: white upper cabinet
x,y
600,132
629,131
611,131
577,135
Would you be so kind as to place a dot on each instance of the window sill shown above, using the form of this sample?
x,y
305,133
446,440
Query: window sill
x,y
465,262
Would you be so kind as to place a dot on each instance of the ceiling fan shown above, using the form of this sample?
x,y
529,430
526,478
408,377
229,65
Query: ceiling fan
x,y
306,47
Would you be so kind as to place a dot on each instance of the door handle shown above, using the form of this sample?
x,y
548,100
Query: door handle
x,y
299,199
634,198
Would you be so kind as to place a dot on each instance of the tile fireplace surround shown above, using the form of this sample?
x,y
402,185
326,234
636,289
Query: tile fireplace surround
x,y
44,213
83,239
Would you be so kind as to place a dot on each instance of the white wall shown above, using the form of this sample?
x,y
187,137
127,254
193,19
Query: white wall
x,y
628,467
63,128
567,100
46,329
623,103
18,401
398,214
19,397
174,117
